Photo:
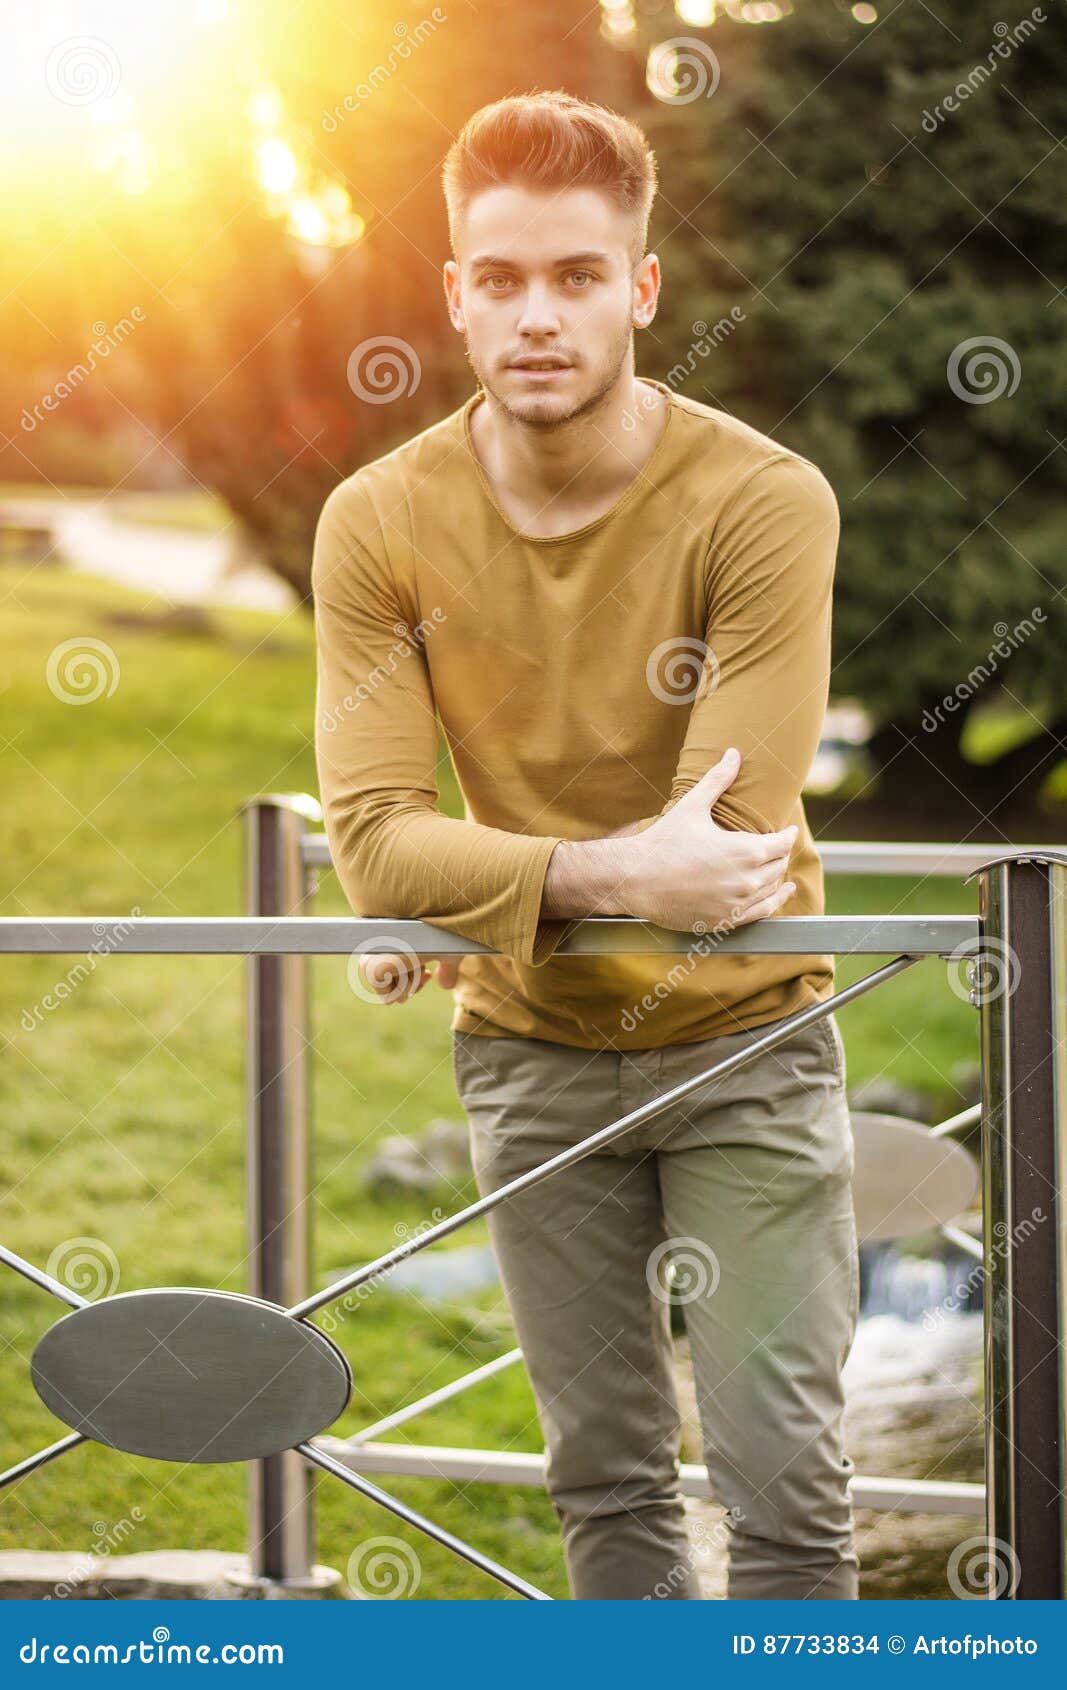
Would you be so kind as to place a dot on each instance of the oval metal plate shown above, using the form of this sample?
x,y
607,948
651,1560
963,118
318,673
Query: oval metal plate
x,y
907,1181
191,1375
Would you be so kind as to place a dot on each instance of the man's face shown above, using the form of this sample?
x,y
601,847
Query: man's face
x,y
547,274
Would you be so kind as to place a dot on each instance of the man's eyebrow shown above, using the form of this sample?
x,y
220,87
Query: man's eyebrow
x,y
482,259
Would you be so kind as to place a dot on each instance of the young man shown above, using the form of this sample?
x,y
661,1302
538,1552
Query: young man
x,y
602,588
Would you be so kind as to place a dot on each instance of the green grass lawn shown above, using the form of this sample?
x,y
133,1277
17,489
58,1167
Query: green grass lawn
x,y
123,1107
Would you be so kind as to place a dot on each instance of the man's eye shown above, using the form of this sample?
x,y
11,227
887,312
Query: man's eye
x,y
488,281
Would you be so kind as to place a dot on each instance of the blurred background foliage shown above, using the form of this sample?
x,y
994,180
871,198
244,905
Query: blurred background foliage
x,y
212,207
263,185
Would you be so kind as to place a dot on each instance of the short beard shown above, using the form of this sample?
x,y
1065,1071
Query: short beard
x,y
609,377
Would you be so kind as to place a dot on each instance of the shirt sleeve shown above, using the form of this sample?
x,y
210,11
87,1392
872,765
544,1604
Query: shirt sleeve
x,y
766,672
376,739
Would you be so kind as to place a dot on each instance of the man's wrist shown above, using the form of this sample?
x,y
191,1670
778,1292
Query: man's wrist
x,y
589,877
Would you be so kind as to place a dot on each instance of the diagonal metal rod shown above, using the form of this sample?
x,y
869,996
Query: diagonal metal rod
x,y
32,1462
44,1280
957,1123
963,1241
438,1533
615,1129
445,1394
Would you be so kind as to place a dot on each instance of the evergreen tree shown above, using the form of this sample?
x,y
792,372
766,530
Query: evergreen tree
x,y
883,202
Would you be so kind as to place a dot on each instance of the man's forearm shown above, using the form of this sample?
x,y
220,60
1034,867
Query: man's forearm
x,y
588,877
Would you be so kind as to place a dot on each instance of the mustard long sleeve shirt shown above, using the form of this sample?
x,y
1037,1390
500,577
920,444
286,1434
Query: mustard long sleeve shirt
x,y
582,681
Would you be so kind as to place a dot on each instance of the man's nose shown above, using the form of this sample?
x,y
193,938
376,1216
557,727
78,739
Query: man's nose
x,y
539,314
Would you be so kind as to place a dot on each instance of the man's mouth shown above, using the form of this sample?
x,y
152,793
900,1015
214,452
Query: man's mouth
x,y
548,363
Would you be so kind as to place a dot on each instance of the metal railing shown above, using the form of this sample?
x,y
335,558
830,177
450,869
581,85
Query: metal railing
x,y
1019,937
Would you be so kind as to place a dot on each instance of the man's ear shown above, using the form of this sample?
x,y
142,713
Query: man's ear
x,y
646,290
450,276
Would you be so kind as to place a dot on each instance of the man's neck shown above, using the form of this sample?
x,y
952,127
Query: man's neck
x,y
553,480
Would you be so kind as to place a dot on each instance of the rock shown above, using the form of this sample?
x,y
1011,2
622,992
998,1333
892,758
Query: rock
x,y
439,1155
199,1575
397,1165
966,1077
882,1096
446,1144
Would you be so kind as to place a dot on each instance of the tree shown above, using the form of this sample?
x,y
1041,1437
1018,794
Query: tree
x,y
263,356
882,202
272,366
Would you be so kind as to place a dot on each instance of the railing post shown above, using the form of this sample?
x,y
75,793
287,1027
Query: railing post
x,y
281,1487
1020,988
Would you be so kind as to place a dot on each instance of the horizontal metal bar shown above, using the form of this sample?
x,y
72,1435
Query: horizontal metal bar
x,y
798,935
839,935
438,1533
32,1462
918,1496
40,1278
762,1040
911,857
839,856
445,1394
507,1467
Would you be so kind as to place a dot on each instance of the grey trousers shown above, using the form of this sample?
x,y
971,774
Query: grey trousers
x,y
745,1185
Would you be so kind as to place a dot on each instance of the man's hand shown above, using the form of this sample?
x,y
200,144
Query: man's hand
x,y
686,869
395,979
683,871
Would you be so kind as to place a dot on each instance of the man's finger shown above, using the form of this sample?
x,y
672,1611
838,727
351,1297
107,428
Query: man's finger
x,y
772,845
393,977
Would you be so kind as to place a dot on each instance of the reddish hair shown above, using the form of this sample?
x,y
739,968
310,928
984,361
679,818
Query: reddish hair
x,y
550,139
